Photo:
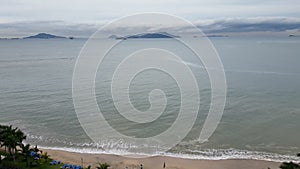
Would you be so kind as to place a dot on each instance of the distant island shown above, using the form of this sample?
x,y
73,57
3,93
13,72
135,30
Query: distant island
x,y
292,35
153,35
44,36
40,36
145,35
216,36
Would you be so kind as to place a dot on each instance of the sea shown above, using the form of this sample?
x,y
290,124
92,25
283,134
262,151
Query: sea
x,y
261,118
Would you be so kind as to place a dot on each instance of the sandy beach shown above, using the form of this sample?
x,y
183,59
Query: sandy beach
x,y
156,162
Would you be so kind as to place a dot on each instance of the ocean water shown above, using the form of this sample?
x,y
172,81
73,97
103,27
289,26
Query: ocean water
x,y
260,120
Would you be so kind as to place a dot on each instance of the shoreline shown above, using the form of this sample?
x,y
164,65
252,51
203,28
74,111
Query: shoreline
x,y
156,162
234,154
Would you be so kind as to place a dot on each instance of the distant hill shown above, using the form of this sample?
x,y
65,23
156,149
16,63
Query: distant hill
x,y
44,36
153,35
145,35
216,36
292,35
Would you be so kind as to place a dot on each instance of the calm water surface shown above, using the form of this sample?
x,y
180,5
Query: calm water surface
x,y
260,121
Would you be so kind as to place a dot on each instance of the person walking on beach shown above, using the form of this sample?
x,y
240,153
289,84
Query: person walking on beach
x,y
141,166
164,166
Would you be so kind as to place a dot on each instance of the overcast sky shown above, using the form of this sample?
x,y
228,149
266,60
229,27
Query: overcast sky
x,y
63,14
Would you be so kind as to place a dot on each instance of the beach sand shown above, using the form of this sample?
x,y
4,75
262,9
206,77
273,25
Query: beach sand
x,y
156,162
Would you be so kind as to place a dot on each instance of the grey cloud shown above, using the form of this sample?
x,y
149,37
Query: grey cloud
x,y
20,29
259,24
229,25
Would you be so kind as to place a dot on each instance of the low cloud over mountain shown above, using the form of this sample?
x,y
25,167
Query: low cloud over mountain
x,y
210,26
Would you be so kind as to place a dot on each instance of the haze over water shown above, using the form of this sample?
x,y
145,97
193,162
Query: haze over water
x,y
261,117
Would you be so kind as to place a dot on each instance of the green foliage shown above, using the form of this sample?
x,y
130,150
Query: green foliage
x,y
11,138
36,149
45,156
289,165
25,150
18,154
103,166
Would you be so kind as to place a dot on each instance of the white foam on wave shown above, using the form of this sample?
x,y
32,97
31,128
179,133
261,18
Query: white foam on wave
x,y
203,154
226,154
208,154
116,148
97,151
